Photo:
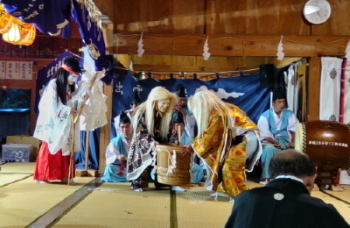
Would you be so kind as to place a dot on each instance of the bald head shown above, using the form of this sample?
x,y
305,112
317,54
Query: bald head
x,y
291,162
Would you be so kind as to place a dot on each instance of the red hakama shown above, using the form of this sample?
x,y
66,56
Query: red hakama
x,y
52,167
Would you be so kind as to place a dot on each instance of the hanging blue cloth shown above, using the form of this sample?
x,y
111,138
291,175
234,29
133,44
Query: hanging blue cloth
x,y
48,16
94,151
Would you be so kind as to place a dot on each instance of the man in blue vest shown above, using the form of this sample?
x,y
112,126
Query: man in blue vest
x,y
277,128
117,152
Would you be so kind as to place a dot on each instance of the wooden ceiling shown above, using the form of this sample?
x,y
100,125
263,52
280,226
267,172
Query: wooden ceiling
x,y
257,24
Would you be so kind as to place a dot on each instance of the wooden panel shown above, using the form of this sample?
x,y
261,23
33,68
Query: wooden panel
x,y
240,17
262,17
33,116
338,23
290,20
126,16
156,16
5,48
196,63
226,45
212,19
314,88
60,45
106,7
188,16
233,17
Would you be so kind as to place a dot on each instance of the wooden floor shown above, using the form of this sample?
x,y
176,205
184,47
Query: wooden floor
x,y
90,203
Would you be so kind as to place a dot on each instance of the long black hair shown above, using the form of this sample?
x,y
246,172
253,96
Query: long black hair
x,y
61,76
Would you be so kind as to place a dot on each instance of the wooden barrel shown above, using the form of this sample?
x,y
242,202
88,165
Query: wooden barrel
x,y
326,142
172,167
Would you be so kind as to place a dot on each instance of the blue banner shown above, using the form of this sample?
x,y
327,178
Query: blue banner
x,y
48,16
243,91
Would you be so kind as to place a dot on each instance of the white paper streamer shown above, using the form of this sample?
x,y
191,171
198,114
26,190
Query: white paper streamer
x,y
140,49
347,51
280,53
206,54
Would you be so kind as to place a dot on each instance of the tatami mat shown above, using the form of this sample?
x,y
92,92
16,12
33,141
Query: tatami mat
x,y
18,167
24,201
197,209
6,179
115,205
342,207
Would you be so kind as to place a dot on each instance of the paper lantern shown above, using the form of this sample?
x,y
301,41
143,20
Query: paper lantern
x,y
13,35
28,35
14,30
5,20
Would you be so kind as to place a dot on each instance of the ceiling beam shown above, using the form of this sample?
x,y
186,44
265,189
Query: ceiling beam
x,y
230,45
187,69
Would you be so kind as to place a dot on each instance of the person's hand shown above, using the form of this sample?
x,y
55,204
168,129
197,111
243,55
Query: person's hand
x,y
180,109
73,112
277,145
86,97
122,157
186,150
154,145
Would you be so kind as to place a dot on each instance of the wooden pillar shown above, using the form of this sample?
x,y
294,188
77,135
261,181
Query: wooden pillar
x,y
314,82
32,99
105,130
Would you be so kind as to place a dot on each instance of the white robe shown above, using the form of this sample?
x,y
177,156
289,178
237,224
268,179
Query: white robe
x,y
112,152
94,112
54,122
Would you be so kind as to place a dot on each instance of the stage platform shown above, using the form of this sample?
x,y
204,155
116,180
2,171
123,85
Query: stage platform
x,y
92,204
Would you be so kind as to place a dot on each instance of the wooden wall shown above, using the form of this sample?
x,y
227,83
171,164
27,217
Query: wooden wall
x,y
42,52
240,17
249,21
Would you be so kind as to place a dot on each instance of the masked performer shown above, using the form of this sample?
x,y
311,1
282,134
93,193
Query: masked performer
x,y
151,124
220,142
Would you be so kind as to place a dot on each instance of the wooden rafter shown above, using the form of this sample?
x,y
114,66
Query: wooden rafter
x,y
230,45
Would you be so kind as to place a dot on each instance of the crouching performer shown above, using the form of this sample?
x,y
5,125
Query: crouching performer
x,y
220,142
151,126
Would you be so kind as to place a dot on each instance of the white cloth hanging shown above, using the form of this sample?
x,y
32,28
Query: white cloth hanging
x,y
346,104
330,88
290,82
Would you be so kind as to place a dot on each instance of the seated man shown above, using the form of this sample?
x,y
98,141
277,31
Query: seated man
x,y
285,201
135,101
117,151
277,130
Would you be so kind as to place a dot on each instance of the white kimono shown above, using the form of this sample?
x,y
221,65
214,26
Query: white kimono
x,y
54,122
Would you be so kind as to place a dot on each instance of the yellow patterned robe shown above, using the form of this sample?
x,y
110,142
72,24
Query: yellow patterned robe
x,y
227,176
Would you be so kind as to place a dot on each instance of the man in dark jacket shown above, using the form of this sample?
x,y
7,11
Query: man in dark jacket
x,y
285,202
